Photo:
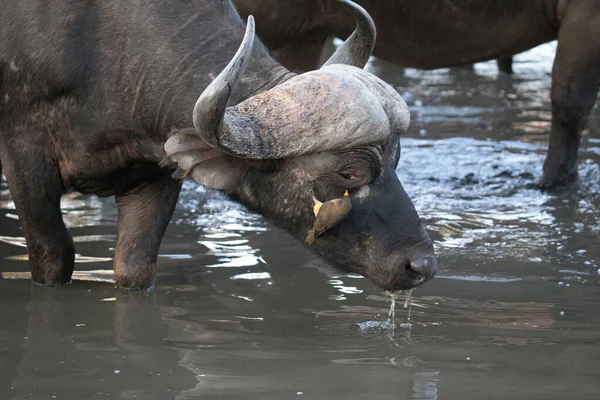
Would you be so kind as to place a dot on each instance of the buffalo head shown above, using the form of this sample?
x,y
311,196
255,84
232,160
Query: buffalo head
x,y
317,134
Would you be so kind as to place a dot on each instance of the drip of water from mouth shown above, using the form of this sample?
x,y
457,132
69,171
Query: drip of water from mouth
x,y
408,294
392,313
393,297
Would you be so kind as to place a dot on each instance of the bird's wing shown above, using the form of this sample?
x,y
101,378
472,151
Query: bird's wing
x,y
342,206
329,216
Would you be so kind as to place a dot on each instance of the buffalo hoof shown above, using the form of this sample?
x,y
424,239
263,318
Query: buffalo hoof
x,y
51,277
557,182
52,283
126,283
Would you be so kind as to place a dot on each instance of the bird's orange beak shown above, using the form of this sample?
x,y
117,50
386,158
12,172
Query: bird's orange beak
x,y
346,193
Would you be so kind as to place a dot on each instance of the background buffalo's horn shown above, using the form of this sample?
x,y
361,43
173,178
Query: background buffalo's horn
x,y
211,105
357,49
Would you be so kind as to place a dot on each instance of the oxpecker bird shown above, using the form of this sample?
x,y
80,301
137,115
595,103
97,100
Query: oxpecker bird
x,y
328,215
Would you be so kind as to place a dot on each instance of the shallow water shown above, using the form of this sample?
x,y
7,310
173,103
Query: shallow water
x,y
243,311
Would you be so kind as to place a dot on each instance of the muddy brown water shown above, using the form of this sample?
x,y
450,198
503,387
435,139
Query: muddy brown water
x,y
242,311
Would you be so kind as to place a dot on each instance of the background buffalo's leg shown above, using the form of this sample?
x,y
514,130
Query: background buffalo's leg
x,y
505,64
36,189
327,50
575,84
144,214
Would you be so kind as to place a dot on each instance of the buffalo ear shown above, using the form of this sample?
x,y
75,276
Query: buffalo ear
x,y
204,164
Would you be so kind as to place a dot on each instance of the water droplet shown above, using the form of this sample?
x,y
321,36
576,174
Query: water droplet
x,y
117,372
392,312
561,283
468,358
408,294
562,313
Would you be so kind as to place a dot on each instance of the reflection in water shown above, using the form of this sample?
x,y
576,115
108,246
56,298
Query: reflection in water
x,y
244,311
232,253
73,352
425,385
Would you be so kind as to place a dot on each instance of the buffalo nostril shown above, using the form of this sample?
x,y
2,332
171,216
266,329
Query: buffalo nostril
x,y
424,266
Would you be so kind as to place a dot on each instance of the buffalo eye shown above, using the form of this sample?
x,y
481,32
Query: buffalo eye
x,y
351,176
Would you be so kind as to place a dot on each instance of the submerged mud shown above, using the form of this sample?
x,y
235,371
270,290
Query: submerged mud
x,y
242,310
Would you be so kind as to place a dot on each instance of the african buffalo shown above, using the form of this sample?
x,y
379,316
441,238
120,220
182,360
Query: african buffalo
x,y
447,33
100,96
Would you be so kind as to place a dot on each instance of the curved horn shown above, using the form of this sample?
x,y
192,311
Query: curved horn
x,y
211,105
357,49
328,109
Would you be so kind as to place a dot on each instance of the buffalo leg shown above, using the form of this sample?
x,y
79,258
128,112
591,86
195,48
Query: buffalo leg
x,y
36,189
505,64
144,214
575,83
